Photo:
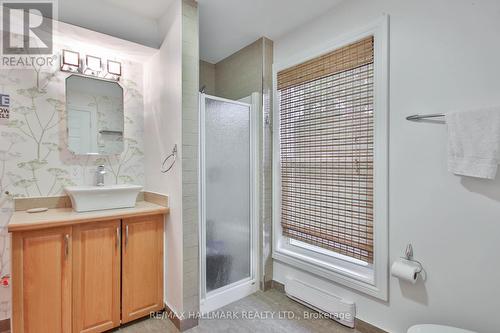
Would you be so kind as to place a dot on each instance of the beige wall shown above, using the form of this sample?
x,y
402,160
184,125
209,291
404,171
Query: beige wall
x,y
240,74
207,77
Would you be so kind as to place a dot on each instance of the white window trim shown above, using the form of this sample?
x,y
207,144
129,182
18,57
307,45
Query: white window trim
x,y
373,281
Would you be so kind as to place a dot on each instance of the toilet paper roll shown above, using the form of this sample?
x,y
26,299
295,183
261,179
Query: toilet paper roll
x,y
405,270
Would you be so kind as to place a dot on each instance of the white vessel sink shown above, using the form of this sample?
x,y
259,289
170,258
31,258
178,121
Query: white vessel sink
x,y
89,198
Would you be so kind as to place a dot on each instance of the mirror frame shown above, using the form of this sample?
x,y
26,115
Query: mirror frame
x,y
67,112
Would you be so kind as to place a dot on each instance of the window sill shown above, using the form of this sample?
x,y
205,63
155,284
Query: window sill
x,y
354,279
296,246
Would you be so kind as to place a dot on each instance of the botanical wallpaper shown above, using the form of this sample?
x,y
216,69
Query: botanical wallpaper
x,y
34,158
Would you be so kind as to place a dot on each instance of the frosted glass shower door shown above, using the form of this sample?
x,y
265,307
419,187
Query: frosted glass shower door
x,y
227,179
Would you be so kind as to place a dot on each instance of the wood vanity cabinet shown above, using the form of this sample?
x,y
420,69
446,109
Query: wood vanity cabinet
x,y
88,277
41,280
142,266
96,276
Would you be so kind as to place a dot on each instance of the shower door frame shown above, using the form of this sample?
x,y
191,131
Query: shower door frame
x,y
220,297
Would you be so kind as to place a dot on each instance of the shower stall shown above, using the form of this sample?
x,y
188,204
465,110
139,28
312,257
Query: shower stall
x,y
229,201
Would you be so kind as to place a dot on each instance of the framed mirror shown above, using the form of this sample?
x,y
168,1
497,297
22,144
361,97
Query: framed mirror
x,y
95,116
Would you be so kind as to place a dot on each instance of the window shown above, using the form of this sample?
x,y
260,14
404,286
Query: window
x,y
326,135
330,163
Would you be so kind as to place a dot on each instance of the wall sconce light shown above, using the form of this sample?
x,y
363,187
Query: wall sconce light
x,y
114,68
93,64
70,61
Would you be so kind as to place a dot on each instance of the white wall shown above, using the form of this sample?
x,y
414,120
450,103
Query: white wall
x,y
443,57
111,19
163,125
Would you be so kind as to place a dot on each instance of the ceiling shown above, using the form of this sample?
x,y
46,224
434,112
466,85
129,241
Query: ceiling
x,y
225,25
132,20
229,25
152,9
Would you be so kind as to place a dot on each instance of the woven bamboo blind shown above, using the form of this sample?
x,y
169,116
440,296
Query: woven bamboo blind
x,y
326,136
349,57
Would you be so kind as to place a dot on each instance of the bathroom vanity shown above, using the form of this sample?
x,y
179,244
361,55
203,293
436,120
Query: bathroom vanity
x,y
96,263
86,272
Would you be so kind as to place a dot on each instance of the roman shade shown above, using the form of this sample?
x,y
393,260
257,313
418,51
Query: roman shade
x,y
326,150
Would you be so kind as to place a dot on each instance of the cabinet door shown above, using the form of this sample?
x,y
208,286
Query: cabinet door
x,y
41,281
96,276
142,266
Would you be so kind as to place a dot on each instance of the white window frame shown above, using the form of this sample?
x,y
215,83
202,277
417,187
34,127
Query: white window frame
x,y
369,279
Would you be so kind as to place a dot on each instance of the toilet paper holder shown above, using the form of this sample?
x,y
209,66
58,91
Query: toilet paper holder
x,y
409,257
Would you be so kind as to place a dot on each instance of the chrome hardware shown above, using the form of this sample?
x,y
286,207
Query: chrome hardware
x,y
267,120
417,117
66,245
117,237
409,252
172,156
99,175
110,132
126,235
408,256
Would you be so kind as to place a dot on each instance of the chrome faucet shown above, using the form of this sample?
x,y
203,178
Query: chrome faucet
x,y
99,175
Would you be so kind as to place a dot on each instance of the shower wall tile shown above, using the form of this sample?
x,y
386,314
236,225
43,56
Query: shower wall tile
x,y
190,253
190,123
191,265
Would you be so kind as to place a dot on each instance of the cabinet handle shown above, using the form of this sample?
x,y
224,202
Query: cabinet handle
x,y
66,245
126,235
117,237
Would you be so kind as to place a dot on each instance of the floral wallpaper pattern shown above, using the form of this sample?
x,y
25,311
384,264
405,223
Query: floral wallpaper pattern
x,y
34,158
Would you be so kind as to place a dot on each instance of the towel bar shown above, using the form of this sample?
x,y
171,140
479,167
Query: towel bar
x,y
110,132
417,117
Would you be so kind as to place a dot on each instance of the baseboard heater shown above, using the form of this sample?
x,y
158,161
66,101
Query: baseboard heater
x,y
329,305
